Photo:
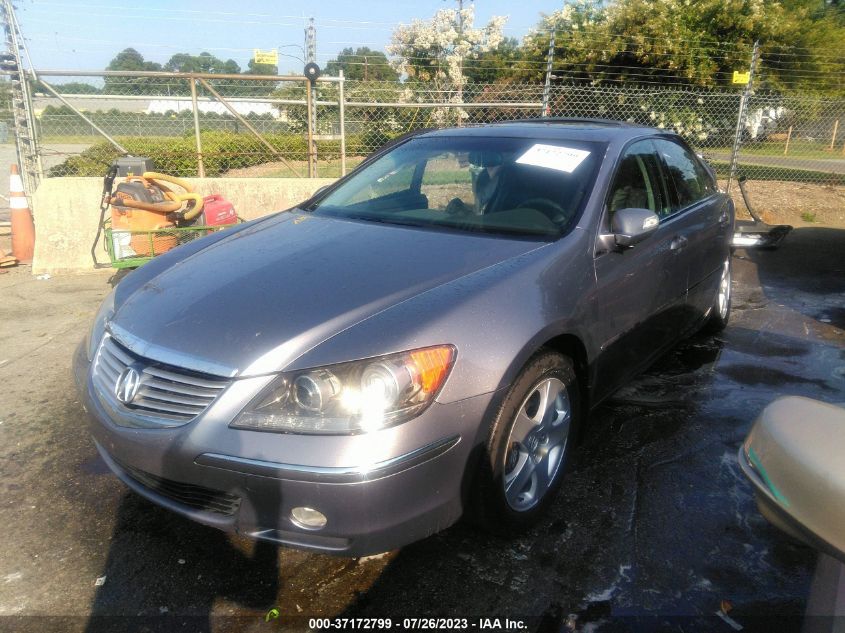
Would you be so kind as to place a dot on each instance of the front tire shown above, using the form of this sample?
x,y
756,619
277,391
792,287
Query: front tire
x,y
529,445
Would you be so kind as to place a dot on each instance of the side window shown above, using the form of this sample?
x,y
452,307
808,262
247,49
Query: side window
x,y
686,177
705,177
637,182
446,177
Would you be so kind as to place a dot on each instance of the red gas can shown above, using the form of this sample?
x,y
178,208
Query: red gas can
x,y
217,211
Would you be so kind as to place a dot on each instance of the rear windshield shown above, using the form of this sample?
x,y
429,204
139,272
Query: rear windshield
x,y
507,186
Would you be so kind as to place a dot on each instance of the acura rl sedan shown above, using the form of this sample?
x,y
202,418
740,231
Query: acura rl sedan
x,y
417,342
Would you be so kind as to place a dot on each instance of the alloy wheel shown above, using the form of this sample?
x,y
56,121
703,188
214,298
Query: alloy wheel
x,y
724,291
537,444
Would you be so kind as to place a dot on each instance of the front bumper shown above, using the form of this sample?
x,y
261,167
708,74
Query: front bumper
x,y
378,492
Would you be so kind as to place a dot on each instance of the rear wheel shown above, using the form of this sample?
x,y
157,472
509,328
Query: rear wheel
x,y
720,313
529,445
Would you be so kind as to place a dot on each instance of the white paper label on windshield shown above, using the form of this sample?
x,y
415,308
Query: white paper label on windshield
x,y
554,157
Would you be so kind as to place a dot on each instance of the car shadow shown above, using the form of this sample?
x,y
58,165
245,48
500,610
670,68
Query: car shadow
x,y
805,273
166,573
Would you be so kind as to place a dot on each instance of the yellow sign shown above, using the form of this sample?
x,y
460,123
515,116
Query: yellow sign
x,y
266,57
741,78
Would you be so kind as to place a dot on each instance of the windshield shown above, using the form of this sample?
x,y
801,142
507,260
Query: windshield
x,y
508,186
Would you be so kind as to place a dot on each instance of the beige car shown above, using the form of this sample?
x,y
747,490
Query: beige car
x,y
794,458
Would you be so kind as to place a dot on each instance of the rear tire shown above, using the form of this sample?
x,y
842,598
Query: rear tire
x,y
720,313
529,446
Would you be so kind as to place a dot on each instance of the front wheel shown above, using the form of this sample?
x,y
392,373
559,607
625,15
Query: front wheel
x,y
720,313
529,445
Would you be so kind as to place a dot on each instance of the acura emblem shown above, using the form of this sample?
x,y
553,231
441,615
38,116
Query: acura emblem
x,y
126,387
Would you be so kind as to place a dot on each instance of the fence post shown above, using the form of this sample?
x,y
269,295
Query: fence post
x,y
341,99
740,119
833,136
312,115
196,111
547,87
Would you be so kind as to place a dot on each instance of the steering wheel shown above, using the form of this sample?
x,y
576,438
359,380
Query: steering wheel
x,y
549,208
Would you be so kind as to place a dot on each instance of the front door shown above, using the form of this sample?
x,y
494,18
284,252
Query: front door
x,y
640,291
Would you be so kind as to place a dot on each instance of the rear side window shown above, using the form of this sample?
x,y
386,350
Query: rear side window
x,y
686,178
637,183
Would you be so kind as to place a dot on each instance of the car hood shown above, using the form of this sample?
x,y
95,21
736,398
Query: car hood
x,y
251,303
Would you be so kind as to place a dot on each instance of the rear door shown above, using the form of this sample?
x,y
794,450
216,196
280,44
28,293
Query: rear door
x,y
701,219
640,291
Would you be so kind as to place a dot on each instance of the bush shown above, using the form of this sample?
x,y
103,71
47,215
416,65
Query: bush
x,y
222,151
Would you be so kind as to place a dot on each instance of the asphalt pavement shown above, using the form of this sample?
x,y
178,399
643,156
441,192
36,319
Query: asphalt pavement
x,y
654,528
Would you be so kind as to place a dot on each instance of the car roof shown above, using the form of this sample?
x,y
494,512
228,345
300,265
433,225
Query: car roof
x,y
602,130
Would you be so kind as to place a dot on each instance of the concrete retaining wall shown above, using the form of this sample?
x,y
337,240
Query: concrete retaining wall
x,y
67,209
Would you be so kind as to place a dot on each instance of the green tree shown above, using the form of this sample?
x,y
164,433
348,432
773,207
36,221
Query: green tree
x,y
364,64
131,60
705,41
498,64
202,63
699,42
261,69
77,87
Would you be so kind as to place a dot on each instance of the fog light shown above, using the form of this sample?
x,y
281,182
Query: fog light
x,y
308,518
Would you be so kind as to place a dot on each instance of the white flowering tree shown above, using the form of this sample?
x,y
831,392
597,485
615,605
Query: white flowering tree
x,y
434,50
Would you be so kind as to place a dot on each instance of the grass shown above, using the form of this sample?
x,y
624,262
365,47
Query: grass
x,y
797,149
768,172
326,168
808,217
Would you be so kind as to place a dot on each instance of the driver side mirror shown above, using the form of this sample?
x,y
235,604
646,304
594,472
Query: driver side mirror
x,y
793,458
632,226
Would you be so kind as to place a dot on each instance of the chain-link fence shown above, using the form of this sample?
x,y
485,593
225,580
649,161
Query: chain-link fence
x,y
189,125
235,126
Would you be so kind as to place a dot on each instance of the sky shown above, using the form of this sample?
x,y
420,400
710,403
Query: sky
x,y
86,34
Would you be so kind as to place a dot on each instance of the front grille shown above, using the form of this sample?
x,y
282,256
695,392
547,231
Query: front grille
x,y
197,497
165,391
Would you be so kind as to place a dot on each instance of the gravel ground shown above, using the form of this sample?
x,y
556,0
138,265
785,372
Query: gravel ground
x,y
795,203
654,527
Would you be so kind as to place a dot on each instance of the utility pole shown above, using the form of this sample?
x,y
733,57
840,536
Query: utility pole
x,y
743,109
311,57
26,141
548,86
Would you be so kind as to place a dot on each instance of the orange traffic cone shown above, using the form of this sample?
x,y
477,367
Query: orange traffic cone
x,y
23,228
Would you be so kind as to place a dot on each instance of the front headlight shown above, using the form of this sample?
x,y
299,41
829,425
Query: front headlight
x,y
348,398
95,334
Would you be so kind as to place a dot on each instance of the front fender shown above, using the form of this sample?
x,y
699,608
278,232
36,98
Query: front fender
x,y
496,318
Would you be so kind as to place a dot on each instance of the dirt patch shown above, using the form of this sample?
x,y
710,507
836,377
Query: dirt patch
x,y
795,203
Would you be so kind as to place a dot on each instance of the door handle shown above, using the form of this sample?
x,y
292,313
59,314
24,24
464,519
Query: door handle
x,y
678,243
724,218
